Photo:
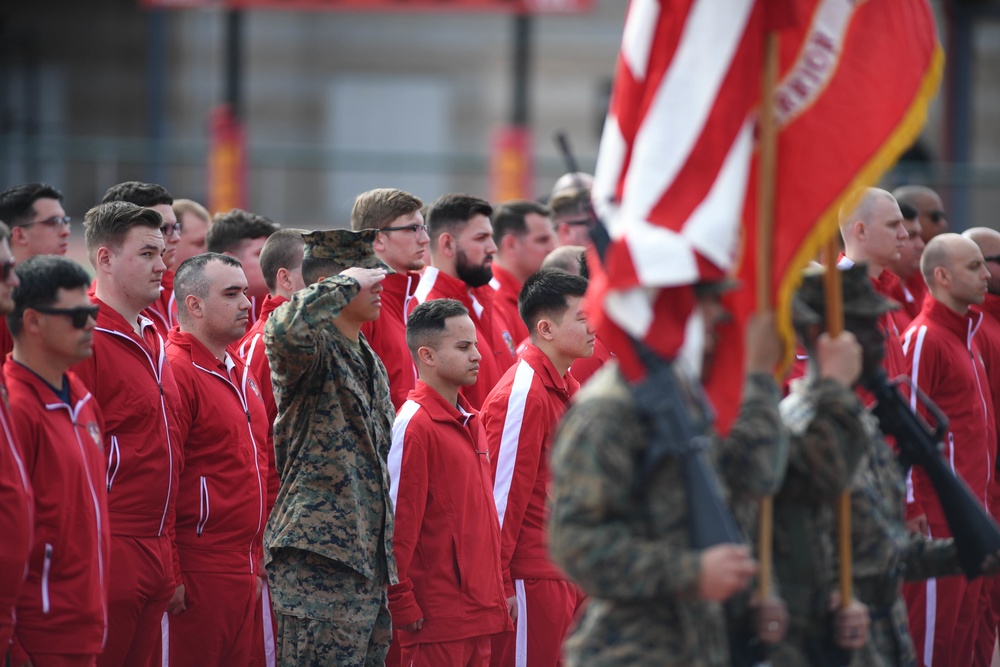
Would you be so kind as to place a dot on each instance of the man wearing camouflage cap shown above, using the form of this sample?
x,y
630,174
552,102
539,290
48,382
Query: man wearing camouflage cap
x,y
329,538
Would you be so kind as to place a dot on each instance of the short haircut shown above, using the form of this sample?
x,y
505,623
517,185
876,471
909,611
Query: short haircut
x,y
376,208
42,276
183,206
314,268
230,229
428,320
108,224
282,250
190,278
544,294
508,218
450,213
570,202
17,204
138,193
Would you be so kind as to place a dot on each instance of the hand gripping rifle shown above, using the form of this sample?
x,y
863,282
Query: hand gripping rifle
x,y
976,533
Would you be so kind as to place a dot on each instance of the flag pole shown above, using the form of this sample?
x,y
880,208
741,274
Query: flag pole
x,y
835,325
765,234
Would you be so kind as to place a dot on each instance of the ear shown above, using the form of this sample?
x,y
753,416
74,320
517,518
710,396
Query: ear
x,y
860,229
194,306
378,245
448,244
282,278
30,322
509,244
18,236
103,258
941,276
426,356
544,328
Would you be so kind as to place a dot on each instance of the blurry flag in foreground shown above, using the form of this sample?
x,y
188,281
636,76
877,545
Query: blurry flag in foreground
x,y
676,174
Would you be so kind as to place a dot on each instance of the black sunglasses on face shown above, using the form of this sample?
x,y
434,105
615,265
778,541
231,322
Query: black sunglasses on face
x,y
577,223
992,258
937,216
6,269
78,316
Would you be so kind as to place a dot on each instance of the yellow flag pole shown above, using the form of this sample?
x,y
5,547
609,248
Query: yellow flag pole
x,y
767,173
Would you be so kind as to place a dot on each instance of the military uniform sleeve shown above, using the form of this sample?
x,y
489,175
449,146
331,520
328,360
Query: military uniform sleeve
x,y
596,533
294,330
926,559
753,457
826,450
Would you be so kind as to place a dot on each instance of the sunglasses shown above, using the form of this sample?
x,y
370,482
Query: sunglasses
x,y
416,229
992,258
78,316
578,223
937,216
7,269
171,228
51,222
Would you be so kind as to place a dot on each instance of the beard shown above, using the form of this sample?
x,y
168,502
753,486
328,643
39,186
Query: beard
x,y
473,276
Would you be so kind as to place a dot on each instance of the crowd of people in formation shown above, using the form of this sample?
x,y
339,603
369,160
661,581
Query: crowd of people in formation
x,y
245,445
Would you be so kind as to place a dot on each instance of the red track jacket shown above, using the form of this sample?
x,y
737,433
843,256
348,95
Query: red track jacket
x,y
446,539
163,311
387,334
494,342
63,607
17,518
134,385
505,303
251,351
221,503
520,416
944,361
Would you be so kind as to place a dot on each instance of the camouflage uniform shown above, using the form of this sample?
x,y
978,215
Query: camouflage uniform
x,y
883,551
330,534
630,548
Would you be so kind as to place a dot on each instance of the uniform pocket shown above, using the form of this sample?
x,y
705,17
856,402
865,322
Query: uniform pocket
x,y
204,508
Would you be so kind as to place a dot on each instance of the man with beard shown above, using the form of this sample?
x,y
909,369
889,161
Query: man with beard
x,y
402,244
462,251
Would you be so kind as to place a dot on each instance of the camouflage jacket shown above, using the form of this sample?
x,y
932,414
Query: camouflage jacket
x,y
629,545
332,435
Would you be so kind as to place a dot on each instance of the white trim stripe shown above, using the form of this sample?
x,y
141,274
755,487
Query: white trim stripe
x,y
511,436
521,631
426,284
165,640
270,649
915,373
394,462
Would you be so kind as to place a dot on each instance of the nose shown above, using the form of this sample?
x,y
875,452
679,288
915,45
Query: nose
x,y
901,232
12,279
244,303
91,323
476,354
591,329
491,247
160,266
377,288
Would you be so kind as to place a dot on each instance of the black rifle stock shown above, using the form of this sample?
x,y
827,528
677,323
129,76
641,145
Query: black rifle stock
x,y
976,533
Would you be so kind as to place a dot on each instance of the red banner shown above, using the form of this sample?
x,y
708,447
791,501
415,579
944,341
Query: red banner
x,y
226,162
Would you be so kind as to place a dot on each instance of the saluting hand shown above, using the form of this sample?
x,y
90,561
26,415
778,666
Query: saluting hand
x,y
366,277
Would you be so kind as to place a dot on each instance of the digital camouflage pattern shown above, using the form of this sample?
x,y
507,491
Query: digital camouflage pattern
x,y
331,438
629,548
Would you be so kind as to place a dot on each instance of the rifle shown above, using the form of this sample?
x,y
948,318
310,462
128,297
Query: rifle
x,y
976,533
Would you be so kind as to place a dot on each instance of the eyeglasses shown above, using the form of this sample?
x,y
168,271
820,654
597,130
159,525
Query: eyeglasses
x,y
7,270
416,229
577,223
171,228
992,258
78,316
936,216
54,221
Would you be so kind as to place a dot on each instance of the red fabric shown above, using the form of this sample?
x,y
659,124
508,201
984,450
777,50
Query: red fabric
x,y
63,607
6,341
525,406
472,652
492,339
163,311
943,359
446,538
251,350
142,583
551,608
583,369
222,496
910,296
505,303
16,518
265,629
387,334
134,385
988,339
217,628
63,659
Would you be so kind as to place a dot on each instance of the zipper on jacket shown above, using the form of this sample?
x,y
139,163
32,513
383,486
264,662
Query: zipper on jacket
x,y
46,566
114,461
203,510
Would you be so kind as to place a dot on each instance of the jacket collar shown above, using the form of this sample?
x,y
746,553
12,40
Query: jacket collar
x,y
200,354
109,318
547,371
963,326
439,409
270,303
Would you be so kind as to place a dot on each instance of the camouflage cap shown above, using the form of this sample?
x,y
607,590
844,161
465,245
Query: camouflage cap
x,y
860,298
344,247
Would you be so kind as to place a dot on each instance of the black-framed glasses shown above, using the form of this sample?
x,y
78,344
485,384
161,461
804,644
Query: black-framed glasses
x,y
54,221
78,316
415,228
171,228
992,258
581,222
7,269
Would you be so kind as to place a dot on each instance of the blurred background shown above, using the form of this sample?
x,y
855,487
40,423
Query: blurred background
x,y
290,108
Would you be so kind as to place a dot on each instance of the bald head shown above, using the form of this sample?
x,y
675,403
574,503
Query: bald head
x,y
873,230
954,271
988,241
930,210
567,258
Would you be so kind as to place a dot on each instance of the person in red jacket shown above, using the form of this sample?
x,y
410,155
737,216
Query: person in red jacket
x,y
222,496
520,416
16,505
462,251
242,234
163,311
911,288
450,596
524,236
402,244
62,613
133,383
944,361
